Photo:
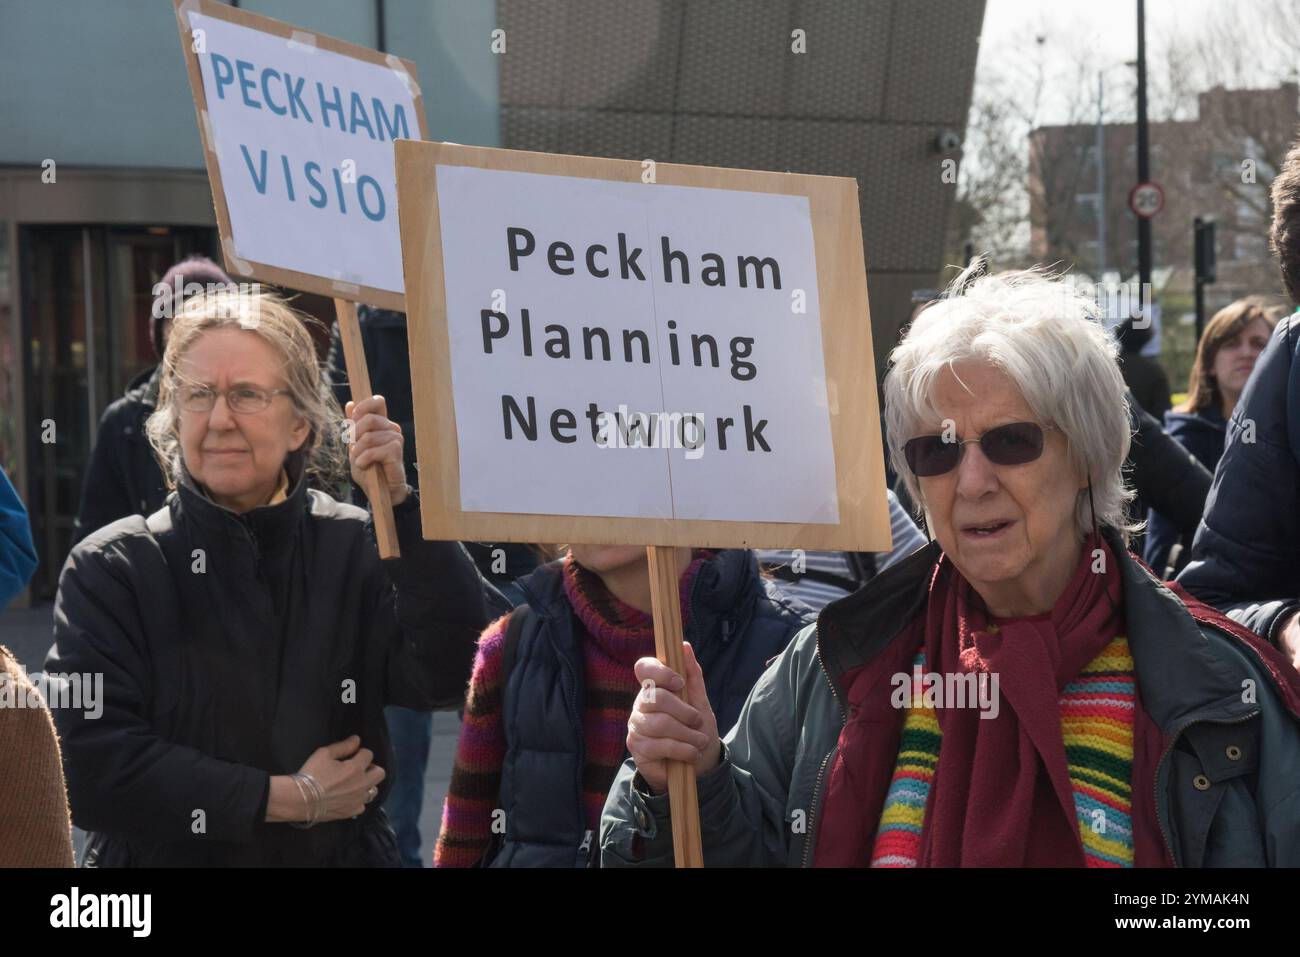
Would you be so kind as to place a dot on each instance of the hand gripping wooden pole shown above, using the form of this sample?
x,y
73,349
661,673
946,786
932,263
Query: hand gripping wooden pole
x,y
376,487
683,800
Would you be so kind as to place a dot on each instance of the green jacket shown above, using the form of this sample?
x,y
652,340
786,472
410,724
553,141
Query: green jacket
x,y
1227,786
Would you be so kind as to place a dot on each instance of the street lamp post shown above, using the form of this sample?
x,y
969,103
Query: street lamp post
x,y
1101,179
1143,159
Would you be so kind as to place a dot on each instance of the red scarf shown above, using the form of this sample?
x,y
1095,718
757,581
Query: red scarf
x,y
1001,795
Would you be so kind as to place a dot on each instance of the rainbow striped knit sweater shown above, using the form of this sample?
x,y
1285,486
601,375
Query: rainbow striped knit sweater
x,y
1097,727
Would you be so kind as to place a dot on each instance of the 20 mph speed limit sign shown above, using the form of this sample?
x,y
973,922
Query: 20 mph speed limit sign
x,y
1146,199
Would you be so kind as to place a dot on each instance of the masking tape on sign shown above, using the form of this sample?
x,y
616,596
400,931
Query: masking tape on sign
x,y
240,266
832,397
399,68
302,40
209,138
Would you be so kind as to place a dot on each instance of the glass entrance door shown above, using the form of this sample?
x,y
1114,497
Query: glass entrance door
x,y
87,296
57,337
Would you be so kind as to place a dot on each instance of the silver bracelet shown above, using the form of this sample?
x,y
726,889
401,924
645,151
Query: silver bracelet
x,y
315,802
319,808
302,793
306,801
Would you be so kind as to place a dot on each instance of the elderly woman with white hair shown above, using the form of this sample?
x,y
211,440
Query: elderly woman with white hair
x,y
247,634
1022,691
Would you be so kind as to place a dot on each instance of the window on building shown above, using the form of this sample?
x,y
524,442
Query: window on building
x,y
1086,208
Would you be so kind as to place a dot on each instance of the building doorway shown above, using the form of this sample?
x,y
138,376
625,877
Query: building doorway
x,y
87,292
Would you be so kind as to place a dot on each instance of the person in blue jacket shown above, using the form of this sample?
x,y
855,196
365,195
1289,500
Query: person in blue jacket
x,y
17,553
1246,555
1225,358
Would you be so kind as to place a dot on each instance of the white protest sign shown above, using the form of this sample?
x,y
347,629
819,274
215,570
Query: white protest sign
x,y
299,133
600,359
645,335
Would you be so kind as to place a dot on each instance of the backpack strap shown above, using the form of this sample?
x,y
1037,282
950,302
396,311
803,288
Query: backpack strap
x,y
510,649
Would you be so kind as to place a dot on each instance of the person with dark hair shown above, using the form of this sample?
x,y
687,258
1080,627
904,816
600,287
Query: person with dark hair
x,y
123,477
1246,554
1144,377
1225,357
1148,390
1163,473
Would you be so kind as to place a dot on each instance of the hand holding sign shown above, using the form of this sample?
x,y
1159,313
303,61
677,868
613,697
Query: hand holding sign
x,y
669,727
698,349
370,476
377,441
298,133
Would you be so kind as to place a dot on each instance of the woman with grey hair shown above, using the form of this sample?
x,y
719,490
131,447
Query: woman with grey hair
x,y
1022,691
247,633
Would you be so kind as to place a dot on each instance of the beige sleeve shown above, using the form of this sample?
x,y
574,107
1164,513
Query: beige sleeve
x,y
35,827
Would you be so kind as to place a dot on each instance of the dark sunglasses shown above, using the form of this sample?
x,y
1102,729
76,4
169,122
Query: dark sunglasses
x,y
1012,444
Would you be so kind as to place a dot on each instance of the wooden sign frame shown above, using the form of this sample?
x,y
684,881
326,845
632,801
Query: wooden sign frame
x,y
846,342
251,269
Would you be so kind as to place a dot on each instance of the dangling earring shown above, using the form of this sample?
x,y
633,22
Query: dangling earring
x,y
1092,508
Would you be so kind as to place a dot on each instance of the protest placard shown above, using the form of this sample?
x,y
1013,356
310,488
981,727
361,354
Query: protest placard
x,y
611,351
604,359
298,132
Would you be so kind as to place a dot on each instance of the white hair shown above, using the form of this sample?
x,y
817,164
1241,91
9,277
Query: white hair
x,y
1044,335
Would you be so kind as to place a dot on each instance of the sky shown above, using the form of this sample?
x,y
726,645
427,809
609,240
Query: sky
x,y
1112,22
1109,27
1081,38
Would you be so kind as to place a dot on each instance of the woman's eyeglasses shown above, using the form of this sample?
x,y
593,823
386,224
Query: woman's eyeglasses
x,y
1013,444
242,399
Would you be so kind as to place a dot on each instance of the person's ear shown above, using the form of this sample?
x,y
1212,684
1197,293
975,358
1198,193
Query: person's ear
x,y
298,433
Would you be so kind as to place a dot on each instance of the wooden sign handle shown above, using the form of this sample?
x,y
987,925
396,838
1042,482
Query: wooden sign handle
x,y
354,356
665,605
